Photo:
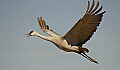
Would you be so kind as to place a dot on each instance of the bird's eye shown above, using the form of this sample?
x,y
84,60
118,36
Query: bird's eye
x,y
31,31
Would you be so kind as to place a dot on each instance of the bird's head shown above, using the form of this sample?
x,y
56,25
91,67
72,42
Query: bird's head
x,y
32,33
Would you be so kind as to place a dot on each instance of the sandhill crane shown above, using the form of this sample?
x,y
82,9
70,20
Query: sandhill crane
x,y
78,35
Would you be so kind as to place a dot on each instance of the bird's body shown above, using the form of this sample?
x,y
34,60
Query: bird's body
x,y
80,33
59,41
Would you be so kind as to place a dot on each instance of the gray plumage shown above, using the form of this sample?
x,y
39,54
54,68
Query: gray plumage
x,y
78,35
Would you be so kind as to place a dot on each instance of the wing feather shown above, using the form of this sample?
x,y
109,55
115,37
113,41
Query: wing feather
x,y
82,31
88,6
42,24
92,6
95,7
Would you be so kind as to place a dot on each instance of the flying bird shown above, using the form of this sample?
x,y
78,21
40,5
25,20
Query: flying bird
x,y
78,35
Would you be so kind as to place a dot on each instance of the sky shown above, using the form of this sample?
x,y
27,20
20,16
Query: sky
x,y
18,17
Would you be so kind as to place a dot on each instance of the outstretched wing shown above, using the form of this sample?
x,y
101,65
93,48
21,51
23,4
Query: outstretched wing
x,y
45,28
42,24
82,31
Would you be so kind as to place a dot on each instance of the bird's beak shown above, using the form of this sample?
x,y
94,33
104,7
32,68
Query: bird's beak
x,y
27,35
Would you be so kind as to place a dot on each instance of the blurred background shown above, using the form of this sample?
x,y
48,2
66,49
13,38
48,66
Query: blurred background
x,y
18,17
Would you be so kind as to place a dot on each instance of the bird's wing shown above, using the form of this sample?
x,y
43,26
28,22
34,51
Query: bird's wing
x,y
45,27
42,24
82,31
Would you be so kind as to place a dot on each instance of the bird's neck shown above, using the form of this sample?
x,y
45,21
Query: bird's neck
x,y
43,37
37,34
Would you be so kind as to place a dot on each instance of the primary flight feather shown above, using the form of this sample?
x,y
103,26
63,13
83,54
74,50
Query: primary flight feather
x,y
78,35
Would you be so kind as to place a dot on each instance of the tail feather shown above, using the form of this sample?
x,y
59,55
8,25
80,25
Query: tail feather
x,y
87,57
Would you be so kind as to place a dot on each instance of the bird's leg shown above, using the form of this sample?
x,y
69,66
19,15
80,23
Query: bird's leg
x,y
83,49
87,57
92,60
